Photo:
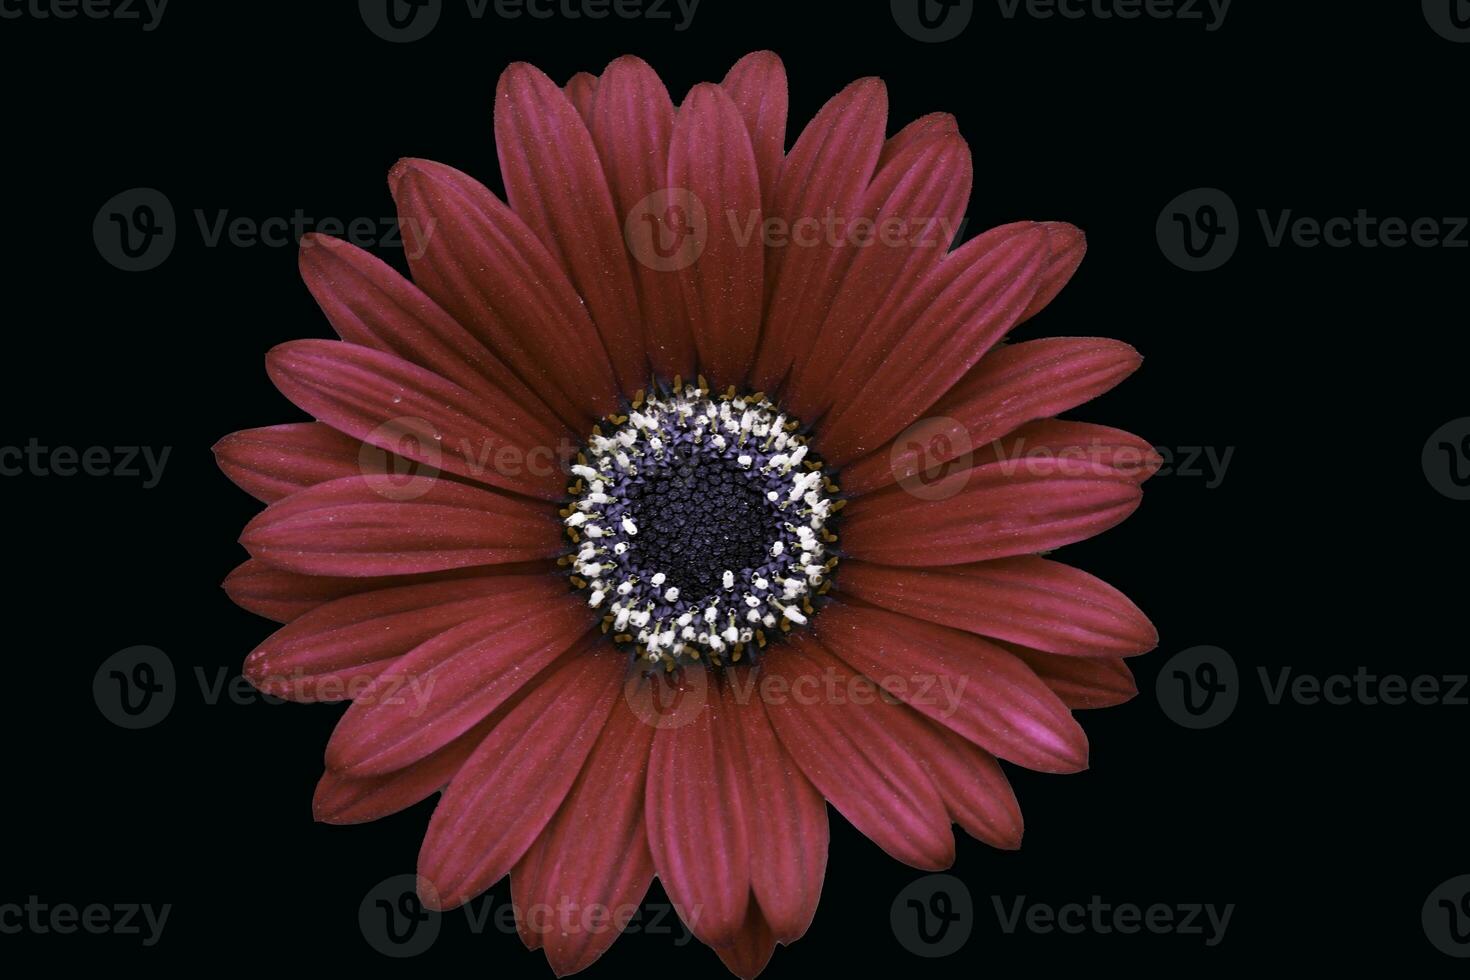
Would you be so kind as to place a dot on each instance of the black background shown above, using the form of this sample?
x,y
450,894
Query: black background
x,y
1324,547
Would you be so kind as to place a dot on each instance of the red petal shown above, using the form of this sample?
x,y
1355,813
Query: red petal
x,y
710,157
402,408
490,271
786,820
347,527
555,182
750,950
1042,604
920,198
1011,386
1081,682
593,856
757,86
964,683
699,820
370,304
1067,246
444,687
529,760
953,317
976,792
632,121
332,652
924,128
824,176
283,596
344,799
1078,447
854,753
276,461
581,88
992,511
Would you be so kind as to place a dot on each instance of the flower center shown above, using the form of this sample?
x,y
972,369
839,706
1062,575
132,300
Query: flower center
x,y
700,525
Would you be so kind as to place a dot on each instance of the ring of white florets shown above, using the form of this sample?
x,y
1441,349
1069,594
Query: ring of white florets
x,y
739,470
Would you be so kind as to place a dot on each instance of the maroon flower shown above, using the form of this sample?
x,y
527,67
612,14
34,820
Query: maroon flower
x,y
557,533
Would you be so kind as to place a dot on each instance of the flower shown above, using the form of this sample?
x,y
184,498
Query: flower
x,y
566,528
